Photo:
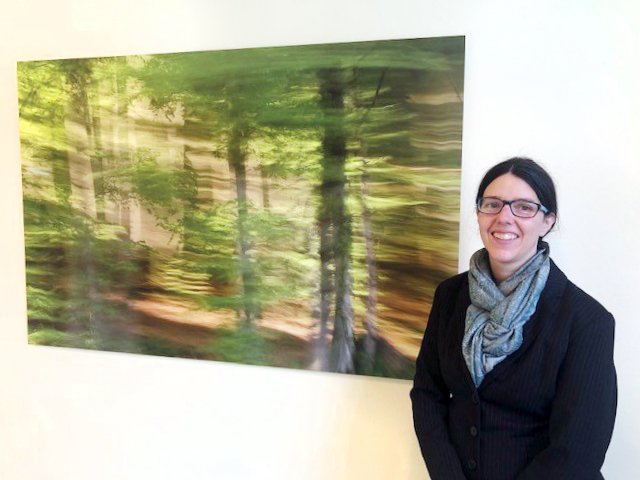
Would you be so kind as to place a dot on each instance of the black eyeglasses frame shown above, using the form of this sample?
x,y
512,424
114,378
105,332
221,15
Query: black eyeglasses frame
x,y
539,206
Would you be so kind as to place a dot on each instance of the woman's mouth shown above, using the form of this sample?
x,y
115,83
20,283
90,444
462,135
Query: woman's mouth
x,y
504,235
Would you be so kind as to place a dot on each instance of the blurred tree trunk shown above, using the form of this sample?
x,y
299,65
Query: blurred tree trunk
x,y
326,283
80,132
85,298
371,303
97,152
264,178
334,196
371,337
237,155
119,139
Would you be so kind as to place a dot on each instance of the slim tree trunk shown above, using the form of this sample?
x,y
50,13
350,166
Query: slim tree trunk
x,y
78,127
97,152
326,283
84,295
371,303
237,155
370,340
264,178
118,140
334,194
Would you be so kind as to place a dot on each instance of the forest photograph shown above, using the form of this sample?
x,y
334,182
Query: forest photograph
x,y
285,206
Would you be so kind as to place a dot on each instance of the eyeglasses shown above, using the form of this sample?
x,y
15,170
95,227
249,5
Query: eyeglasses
x,y
520,208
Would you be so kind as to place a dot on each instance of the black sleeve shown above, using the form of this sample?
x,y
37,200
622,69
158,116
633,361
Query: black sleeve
x,y
584,409
430,399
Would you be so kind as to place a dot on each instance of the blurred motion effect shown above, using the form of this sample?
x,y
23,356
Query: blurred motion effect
x,y
290,206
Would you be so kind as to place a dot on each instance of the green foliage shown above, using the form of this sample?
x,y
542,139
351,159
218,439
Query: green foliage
x,y
240,345
157,346
209,235
163,190
57,338
43,304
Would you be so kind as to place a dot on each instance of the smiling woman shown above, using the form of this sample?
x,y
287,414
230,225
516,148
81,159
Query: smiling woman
x,y
515,377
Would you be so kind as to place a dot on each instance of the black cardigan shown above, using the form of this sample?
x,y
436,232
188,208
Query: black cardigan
x,y
545,412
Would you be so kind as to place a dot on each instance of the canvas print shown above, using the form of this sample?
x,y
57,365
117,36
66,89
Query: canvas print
x,y
288,206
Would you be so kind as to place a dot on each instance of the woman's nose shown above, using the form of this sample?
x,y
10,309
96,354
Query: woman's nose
x,y
505,214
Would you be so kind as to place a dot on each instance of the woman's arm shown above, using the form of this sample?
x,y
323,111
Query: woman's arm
x,y
584,408
430,398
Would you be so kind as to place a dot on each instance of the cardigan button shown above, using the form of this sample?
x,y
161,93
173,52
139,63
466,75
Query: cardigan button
x,y
473,431
471,464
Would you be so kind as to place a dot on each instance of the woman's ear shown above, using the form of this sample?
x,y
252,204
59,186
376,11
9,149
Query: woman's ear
x,y
549,221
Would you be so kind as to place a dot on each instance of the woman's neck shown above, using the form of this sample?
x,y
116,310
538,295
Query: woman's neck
x,y
501,272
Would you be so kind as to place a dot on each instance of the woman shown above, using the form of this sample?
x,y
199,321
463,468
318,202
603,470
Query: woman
x,y
515,376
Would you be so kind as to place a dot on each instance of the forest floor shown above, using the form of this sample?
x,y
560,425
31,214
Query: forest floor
x,y
289,335
164,325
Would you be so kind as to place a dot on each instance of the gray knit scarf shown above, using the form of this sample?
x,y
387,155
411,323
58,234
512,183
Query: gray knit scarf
x,y
498,313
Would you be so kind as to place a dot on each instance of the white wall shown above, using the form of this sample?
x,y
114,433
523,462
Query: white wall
x,y
558,81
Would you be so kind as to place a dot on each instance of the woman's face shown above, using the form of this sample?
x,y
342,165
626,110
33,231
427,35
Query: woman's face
x,y
511,240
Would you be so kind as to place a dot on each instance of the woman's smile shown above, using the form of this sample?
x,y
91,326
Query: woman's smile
x,y
504,235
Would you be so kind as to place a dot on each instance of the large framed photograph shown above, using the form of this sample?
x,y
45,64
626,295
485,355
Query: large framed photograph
x,y
286,206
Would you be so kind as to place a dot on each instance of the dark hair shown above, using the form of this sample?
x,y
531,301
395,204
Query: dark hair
x,y
529,171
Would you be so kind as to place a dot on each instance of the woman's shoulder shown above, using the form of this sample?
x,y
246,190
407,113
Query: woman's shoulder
x,y
448,291
582,307
453,283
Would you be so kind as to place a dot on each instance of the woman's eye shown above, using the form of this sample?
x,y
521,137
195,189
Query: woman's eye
x,y
524,207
